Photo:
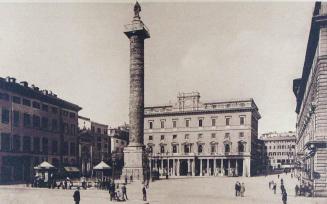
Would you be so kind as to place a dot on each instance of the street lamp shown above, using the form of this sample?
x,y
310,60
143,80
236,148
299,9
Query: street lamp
x,y
113,159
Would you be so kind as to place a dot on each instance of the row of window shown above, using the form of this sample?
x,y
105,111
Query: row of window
x,y
199,136
188,148
200,122
36,121
282,147
280,154
24,144
105,131
35,104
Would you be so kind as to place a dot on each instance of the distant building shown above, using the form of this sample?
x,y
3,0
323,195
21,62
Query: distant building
x,y
195,138
119,140
311,106
35,126
94,144
280,149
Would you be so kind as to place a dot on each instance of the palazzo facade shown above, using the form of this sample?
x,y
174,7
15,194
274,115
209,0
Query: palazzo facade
x,y
311,108
195,138
35,126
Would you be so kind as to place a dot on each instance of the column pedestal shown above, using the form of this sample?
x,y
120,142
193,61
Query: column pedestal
x,y
133,162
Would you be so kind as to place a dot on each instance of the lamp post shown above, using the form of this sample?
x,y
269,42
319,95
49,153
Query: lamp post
x,y
113,159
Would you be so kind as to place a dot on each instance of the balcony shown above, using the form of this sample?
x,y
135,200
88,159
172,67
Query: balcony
x,y
136,28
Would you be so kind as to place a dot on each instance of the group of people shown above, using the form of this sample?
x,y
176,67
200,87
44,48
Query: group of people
x,y
239,189
273,186
117,194
303,190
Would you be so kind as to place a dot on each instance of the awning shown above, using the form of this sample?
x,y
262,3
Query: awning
x,y
44,165
102,166
71,169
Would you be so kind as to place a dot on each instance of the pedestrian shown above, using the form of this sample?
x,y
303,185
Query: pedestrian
x,y
131,178
282,188
236,188
77,196
297,190
291,175
124,192
242,190
125,179
112,191
278,176
144,193
284,197
65,184
274,188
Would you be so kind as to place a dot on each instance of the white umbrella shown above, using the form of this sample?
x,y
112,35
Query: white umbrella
x,y
102,166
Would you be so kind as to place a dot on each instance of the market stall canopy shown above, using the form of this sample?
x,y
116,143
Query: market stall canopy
x,y
102,166
71,169
44,165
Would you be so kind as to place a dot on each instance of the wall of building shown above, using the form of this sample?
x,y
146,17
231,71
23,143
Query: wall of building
x,y
33,130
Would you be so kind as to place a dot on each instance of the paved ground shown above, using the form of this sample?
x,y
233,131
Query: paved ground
x,y
189,190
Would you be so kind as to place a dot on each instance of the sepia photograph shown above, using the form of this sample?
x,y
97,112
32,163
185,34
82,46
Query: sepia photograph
x,y
163,102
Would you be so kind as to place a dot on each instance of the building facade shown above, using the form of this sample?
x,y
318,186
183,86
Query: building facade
x,y
280,149
35,126
311,98
94,145
119,140
194,138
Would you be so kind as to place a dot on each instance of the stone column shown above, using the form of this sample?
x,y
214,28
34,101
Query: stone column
x,y
173,171
236,168
168,168
246,167
222,167
178,167
208,167
201,167
229,167
215,167
133,153
193,167
188,167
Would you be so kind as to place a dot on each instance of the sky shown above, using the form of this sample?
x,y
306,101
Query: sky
x,y
224,50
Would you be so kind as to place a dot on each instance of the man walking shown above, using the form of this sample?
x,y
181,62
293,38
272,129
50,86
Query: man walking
x,y
284,197
77,196
144,193
274,188
242,189
123,190
237,188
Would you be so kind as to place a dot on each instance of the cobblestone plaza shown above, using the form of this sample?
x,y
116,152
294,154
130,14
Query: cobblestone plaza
x,y
184,190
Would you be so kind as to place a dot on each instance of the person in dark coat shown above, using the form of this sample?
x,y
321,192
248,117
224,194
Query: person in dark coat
x,y
144,193
297,190
274,188
284,197
124,192
282,188
236,188
77,196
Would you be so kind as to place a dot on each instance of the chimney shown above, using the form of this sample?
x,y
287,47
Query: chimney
x,y
45,92
24,83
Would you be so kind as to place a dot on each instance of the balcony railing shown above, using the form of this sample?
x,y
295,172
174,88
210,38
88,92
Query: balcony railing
x,y
135,27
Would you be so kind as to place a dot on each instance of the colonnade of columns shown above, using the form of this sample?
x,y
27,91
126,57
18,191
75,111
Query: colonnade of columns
x,y
201,166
